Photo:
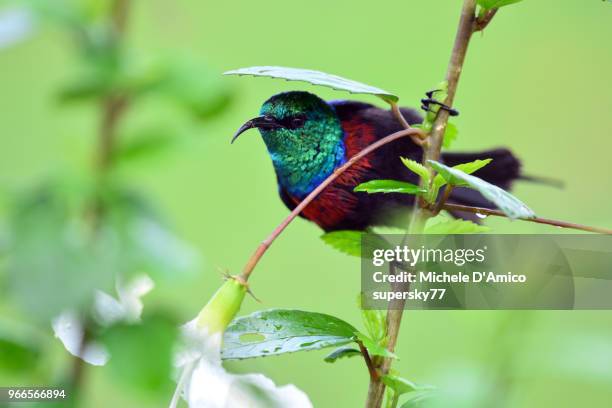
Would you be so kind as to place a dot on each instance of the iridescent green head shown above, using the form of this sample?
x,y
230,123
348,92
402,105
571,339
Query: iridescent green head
x,y
304,138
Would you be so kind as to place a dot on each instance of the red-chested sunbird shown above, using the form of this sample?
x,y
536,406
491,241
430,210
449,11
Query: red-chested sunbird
x,y
307,138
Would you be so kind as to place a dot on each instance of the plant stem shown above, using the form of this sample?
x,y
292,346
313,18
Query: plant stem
x,y
538,220
483,21
112,108
419,139
431,152
440,204
262,248
453,73
366,356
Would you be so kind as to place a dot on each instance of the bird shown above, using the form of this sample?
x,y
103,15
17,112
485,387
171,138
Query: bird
x,y
307,138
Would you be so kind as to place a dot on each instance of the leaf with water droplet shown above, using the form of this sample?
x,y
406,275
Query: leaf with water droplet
x,y
281,331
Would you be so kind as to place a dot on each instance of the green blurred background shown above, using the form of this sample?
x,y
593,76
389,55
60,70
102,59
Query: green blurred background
x,y
538,81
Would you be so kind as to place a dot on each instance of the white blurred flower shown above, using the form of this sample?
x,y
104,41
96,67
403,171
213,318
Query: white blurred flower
x,y
69,330
204,383
127,307
107,310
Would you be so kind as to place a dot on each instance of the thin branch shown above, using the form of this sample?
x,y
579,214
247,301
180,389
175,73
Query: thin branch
x,y
431,152
447,192
262,248
366,356
111,111
419,139
114,105
455,66
119,16
538,220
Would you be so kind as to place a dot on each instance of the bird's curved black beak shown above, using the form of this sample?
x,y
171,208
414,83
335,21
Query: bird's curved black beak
x,y
260,122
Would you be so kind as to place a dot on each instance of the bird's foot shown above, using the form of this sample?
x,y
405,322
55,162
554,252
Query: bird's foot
x,y
430,100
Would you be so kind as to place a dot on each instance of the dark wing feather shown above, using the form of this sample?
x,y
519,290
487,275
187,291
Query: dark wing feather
x,y
339,207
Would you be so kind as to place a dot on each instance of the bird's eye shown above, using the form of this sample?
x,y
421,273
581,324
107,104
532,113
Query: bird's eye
x,y
297,122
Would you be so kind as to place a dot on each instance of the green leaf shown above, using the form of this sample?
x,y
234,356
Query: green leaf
x,y
375,322
349,241
316,78
279,331
418,399
402,386
467,168
100,77
454,227
373,348
141,354
345,241
473,166
388,186
491,4
418,169
506,202
147,144
450,134
341,352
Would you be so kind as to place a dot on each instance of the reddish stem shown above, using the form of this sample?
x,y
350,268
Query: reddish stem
x,y
497,213
261,249
374,376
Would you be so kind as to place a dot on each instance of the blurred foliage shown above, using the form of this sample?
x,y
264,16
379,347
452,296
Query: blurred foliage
x,y
142,354
54,264
20,348
67,242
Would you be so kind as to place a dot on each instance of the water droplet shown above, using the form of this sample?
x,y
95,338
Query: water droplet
x,y
481,216
251,337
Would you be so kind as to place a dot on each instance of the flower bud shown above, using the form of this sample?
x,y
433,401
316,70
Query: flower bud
x,y
222,307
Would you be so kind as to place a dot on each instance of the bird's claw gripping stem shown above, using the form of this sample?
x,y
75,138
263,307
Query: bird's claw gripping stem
x,y
430,100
